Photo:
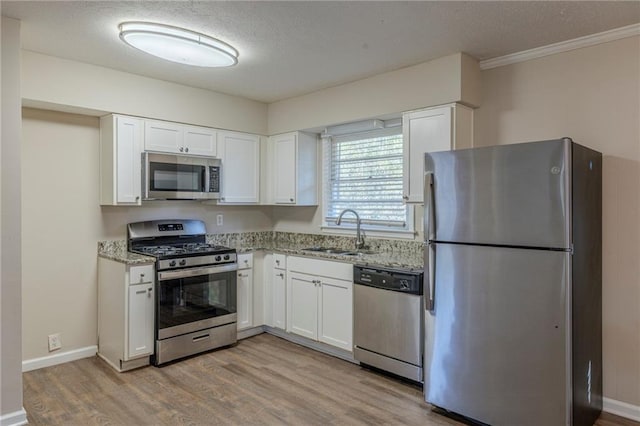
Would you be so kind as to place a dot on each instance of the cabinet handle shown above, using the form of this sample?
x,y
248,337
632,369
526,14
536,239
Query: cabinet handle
x,y
243,275
280,275
186,149
291,199
137,197
181,149
149,292
405,197
141,291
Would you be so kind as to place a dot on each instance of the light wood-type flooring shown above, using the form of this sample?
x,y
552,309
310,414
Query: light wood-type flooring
x,y
263,380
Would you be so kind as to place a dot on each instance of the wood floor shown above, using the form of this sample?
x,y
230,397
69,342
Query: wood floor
x,y
263,380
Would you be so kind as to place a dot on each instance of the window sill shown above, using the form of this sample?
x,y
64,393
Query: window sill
x,y
377,233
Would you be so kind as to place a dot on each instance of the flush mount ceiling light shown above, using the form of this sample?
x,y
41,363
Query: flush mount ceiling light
x,y
178,44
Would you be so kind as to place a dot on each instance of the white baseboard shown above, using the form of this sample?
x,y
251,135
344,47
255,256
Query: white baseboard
x,y
17,418
58,358
621,409
312,344
250,332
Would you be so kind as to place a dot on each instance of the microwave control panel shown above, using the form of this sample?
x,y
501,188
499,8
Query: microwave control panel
x,y
214,179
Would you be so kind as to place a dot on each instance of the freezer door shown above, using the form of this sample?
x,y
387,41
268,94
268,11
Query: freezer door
x,y
504,195
496,341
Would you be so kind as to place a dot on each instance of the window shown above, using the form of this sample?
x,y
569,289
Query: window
x,y
363,172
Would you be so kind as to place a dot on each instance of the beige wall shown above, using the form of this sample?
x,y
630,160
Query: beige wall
x,y
10,210
62,222
453,78
69,85
593,96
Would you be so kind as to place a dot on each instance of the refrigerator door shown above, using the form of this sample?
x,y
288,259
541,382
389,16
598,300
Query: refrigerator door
x,y
496,342
504,195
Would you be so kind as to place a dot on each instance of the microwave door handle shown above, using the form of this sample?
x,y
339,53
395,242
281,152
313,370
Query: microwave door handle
x,y
207,179
145,176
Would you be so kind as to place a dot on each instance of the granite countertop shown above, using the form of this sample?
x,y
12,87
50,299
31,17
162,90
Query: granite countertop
x,y
117,250
389,253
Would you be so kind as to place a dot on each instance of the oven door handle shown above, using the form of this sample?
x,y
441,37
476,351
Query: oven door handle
x,y
193,272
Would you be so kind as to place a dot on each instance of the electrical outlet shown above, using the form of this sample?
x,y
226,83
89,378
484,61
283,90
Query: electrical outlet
x,y
55,342
219,219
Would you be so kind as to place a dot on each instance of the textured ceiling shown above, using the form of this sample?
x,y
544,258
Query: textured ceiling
x,y
292,48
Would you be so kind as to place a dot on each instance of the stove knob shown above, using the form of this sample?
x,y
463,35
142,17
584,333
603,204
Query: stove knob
x,y
226,257
218,258
172,263
183,262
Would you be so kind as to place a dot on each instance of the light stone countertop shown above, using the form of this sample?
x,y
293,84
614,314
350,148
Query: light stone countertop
x,y
117,251
388,253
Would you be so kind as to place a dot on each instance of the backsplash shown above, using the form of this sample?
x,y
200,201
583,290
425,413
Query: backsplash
x,y
289,239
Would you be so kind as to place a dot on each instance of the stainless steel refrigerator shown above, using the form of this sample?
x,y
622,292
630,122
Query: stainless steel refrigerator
x,y
513,277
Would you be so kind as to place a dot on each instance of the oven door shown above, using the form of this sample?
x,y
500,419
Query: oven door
x,y
180,177
193,299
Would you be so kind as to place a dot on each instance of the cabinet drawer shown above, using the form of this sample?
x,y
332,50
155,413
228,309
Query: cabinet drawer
x,y
280,261
141,274
245,261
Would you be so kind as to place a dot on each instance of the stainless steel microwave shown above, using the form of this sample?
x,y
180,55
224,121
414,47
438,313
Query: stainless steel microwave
x,y
180,177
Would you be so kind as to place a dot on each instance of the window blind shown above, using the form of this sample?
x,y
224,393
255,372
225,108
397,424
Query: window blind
x,y
364,173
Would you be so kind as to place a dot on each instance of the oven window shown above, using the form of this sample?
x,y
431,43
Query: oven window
x,y
176,177
186,300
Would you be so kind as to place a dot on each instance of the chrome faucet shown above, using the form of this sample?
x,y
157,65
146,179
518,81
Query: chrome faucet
x,y
359,233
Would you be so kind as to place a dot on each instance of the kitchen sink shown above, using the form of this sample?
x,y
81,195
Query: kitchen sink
x,y
334,250
358,252
331,250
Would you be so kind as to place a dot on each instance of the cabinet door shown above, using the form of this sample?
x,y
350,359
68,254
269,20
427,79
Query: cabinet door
x,y
245,298
200,141
162,136
303,305
278,293
336,313
285,168
423,131
128,160
240,155
140,320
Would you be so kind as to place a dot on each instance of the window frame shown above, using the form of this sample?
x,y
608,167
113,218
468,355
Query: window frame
x,y
348,225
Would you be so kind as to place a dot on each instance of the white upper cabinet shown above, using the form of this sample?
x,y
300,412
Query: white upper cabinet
x,y
240,155
176,138
200,141
120,160
430,130
294,169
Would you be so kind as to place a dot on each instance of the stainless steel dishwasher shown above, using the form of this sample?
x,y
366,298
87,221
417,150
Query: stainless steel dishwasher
x,y
388,319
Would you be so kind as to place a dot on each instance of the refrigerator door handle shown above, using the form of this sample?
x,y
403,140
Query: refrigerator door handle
x,y
429,207
429,276
429,236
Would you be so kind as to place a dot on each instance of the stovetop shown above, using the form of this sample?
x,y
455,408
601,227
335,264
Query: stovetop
x,y
177,243
184,250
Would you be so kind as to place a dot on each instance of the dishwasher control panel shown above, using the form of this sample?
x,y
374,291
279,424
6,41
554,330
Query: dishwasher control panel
x,y
405,281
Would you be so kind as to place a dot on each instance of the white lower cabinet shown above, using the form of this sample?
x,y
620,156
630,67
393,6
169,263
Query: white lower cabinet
x,y
245,291
125,313
140,323
320,301
279,292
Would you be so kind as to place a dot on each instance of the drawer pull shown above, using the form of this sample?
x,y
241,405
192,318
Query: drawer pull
x,y
141,291
200,338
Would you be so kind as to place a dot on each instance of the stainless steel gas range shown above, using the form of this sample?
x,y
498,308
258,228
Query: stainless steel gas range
x,y
196,291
